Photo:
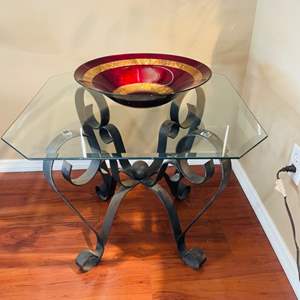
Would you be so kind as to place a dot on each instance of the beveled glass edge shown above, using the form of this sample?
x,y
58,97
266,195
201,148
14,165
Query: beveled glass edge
x,y
162,156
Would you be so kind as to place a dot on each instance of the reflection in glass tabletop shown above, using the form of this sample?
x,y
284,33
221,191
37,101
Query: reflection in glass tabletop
x,y
63,107
66,122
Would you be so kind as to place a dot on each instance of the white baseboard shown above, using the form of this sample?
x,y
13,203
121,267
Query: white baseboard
x,y
24,165
285,258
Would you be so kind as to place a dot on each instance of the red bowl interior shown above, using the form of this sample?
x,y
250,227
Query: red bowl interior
x,y
134,73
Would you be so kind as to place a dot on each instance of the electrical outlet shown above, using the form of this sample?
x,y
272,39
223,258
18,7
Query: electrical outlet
x,y
295,159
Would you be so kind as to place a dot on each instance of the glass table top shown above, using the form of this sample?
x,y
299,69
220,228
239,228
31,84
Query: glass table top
x,y
66,121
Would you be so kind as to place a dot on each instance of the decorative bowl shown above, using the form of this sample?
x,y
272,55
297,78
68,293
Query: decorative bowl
x,y
142,79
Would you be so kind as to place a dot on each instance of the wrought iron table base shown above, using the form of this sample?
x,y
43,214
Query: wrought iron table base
x,y
194,258
138,172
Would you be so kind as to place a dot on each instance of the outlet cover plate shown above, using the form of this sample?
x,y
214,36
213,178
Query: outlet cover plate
x,y
295,159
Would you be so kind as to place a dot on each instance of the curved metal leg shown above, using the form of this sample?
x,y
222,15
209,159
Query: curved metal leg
x,y
88,259
226,171
193,257
47,170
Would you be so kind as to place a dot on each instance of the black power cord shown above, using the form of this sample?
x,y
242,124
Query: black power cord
x,y
290,168
280,188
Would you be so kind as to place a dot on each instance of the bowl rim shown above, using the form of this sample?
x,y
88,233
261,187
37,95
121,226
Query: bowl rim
x,y
208,71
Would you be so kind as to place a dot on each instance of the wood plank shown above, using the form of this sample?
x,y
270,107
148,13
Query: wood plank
x,y
39,239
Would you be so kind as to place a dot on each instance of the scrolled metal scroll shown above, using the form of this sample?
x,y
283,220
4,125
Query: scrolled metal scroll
x,y
52,150
85,112
191,122
225,164
195,113
89,125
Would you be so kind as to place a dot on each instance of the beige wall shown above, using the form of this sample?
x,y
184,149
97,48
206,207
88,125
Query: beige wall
x,y
42,38
273,92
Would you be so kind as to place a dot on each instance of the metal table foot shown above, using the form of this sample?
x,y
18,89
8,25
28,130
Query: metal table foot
x,y
88,259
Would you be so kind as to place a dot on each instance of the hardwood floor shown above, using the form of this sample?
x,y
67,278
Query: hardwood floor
x,y
40,237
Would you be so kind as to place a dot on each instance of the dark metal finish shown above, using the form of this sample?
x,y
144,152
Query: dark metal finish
x,y
178,189
193,257
139,172
88,258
